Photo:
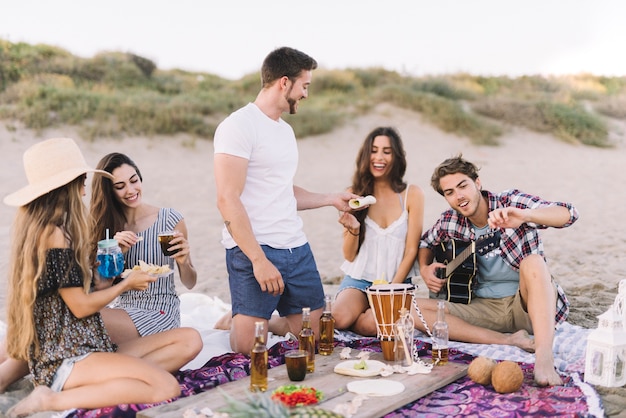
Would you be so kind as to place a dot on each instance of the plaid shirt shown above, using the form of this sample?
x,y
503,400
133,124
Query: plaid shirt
x,y
515,244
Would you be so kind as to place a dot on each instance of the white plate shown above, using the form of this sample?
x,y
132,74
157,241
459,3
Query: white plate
x,y
347,367
375,387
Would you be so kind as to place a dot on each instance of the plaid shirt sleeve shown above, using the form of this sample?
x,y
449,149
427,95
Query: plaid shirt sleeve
x,y
450,225
518,243
522,200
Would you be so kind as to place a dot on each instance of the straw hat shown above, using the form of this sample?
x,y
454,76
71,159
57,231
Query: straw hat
x,y
49,165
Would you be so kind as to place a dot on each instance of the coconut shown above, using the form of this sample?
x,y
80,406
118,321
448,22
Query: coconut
x,y
507,377
480,370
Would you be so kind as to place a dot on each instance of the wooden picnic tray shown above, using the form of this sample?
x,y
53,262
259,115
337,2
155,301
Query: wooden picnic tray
x,y
332,385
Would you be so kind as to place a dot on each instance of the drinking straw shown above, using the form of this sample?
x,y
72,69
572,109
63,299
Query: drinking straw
x,y
107,234
406,349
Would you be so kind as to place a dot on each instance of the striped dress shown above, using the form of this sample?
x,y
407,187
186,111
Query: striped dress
x,y
157,308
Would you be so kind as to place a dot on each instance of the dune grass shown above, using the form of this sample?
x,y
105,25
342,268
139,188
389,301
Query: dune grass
x,y
116,94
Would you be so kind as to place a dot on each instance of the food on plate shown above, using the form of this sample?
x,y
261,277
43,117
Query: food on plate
x,y
296,395
361,365
372,368
149,268
262,405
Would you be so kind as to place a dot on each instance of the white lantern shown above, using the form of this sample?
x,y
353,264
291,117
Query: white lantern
x,y
605,360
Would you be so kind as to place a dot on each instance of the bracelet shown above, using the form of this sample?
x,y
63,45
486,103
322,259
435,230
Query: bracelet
x,y
352,233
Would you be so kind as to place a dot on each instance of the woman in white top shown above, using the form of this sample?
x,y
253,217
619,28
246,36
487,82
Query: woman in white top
x,y
381,241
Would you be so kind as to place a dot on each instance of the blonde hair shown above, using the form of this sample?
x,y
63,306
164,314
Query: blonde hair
x,y
34,224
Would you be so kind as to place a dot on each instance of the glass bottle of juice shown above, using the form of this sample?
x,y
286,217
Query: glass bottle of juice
x,y
440,336
403,331
258,359
306,339
327,329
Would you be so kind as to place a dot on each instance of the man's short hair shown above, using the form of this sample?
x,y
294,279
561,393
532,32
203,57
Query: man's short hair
x,y
452,166
283,62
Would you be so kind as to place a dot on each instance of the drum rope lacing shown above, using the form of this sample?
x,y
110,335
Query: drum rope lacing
x,y
421,317
383,333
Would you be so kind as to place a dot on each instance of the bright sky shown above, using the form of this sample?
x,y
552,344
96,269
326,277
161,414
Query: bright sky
x,y
230,38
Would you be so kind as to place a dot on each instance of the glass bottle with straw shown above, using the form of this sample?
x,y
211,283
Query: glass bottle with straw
x,y
403,338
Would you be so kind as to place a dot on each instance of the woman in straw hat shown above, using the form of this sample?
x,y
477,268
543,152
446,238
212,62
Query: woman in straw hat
x,y
53,319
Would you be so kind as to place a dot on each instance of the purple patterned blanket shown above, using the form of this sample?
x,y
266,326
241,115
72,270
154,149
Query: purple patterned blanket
x,y
461,398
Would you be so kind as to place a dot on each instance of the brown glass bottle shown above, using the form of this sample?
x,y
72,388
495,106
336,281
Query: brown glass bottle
x,y
327,330
306,339
258,359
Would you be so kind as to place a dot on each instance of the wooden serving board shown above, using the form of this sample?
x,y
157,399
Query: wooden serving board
x,y
332,385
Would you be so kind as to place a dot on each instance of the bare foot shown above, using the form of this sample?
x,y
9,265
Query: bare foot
x,y
522,340
545,375
35,402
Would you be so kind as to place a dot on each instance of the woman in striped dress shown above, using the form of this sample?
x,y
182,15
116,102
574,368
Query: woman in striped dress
x,y
118,206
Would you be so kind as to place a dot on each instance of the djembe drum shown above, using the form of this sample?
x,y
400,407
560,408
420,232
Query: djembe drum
x,y
386,300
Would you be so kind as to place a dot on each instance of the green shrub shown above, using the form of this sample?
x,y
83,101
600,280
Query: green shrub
x,y
446,114
311,121
573,123
614,107
375,77
117,94
334,81
569,122
441,87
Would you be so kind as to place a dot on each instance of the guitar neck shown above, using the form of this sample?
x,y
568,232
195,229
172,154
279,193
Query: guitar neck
x,y
460,258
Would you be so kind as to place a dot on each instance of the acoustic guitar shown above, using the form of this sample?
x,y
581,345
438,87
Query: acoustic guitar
x,y
460,260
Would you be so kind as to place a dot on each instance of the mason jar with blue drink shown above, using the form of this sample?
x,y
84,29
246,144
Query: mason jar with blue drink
x,y
110,258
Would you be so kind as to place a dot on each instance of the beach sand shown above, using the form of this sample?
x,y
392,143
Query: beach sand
x,y
588,259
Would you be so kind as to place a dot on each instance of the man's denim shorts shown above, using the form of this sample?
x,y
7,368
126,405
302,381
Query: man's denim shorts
x,y
303,285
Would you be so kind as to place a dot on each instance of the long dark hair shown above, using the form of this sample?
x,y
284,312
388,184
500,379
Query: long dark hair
x,y
106,211
363,180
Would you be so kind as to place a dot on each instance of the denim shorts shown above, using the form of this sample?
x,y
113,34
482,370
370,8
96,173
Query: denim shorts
x,y
64,371
303,285
350,282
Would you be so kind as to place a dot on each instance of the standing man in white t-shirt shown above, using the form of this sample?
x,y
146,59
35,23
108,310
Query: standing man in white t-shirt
x,y
269,261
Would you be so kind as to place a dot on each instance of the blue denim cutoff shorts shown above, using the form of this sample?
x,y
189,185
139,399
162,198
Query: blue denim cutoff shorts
x,y
303,285
350,282
64,371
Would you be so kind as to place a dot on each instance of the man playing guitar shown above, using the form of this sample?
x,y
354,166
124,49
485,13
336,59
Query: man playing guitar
x,y
514,294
